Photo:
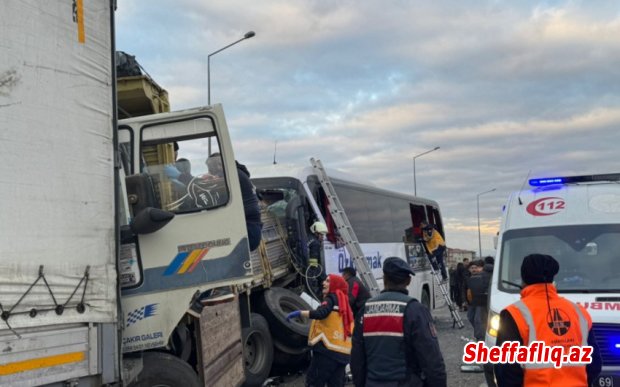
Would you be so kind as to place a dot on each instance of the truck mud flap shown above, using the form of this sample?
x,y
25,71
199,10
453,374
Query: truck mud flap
x,y
47,356
220,340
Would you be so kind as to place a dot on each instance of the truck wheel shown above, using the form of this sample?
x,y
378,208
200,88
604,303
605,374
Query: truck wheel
x,y
257,351
276,304
425,299
165,370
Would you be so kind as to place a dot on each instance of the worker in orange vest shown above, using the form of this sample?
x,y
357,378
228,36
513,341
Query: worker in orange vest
x,y
542,315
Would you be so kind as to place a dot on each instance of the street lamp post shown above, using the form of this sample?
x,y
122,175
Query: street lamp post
x,y
247,35
415,192
478,206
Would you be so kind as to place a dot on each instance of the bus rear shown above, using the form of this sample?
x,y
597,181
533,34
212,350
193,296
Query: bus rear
x,y
577,221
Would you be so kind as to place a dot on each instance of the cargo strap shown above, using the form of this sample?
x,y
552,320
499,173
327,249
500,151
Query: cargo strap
x,y
5,314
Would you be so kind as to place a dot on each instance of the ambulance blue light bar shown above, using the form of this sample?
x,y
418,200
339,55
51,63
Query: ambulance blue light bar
x,y
574,179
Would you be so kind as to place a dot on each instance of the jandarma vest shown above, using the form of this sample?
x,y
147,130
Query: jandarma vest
x,y
330,331
384,336
566,325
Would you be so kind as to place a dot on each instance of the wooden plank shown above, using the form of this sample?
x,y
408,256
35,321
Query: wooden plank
x,y
220,335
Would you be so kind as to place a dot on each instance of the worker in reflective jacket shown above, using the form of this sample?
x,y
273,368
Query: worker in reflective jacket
x,y
542,315
330,334
395,341
435,246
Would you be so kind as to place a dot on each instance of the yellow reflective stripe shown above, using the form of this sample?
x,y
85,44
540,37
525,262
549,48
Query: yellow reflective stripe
x,y
41,362
80,21
189,261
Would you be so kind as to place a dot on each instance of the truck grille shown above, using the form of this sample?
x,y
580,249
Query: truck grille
x,y
608,339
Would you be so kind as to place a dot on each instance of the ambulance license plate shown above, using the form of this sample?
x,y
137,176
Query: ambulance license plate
x,y
608,381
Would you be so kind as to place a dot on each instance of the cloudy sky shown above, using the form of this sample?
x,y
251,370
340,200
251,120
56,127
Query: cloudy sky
x,y
503,87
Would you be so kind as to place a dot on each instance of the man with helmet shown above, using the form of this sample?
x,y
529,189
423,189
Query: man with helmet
x,y
315,246
314,272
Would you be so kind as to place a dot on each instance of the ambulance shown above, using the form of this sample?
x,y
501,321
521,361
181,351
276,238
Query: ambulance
x,y
576,220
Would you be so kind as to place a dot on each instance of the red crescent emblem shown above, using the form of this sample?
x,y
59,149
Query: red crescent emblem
x,y
546,206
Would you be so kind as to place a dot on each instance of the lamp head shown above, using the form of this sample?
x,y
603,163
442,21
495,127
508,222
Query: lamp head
x,y
249,34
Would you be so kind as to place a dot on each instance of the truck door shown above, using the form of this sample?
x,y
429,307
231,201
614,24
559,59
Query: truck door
x,y
194,236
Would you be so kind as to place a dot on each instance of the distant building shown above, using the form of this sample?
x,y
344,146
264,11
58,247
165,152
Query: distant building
x,y
456,255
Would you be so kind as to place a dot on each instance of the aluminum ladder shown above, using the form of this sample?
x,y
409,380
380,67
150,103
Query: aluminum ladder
x,y
345,230
456,317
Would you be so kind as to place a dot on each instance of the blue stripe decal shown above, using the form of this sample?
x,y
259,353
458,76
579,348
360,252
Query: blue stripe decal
x,y
207,271
176,264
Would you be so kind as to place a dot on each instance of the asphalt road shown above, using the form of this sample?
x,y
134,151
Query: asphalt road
x,y
451,341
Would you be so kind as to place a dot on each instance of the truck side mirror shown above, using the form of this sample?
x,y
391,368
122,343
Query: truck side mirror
x,y
150,220
141,192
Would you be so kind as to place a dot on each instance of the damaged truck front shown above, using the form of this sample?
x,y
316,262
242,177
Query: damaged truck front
x,y
123,258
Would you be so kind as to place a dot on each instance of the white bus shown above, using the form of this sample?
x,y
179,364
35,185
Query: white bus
x,y
577,221
386,223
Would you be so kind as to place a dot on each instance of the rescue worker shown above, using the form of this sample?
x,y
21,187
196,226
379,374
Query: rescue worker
x,y
435,246
358,294
542,315
394,340
330,334
314,271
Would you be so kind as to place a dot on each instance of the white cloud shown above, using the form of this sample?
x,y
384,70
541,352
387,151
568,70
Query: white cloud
x,y
503,87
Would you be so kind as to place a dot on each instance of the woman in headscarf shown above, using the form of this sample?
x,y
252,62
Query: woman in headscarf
x,y
330,334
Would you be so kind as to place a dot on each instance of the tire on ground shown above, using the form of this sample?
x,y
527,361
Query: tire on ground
x,y
275,305
257,351
163,369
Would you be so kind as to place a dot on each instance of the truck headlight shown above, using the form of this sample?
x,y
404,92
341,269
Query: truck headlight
x,y
493,324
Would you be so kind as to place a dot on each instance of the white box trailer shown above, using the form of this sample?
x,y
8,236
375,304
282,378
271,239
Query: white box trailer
x,y
58,290
102,251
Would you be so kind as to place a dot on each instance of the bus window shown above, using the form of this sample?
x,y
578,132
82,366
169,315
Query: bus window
x,y
402,226
437,221
417,216
181,177
378,212
354,203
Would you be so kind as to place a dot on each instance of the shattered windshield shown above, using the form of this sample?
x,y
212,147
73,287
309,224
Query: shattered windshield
x,y
589,256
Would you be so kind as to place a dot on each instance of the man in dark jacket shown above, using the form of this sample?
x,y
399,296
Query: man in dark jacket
x,y
250,206
358,294
477,288
391,322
